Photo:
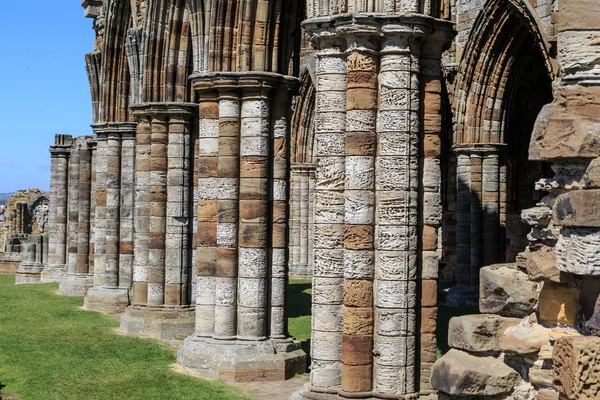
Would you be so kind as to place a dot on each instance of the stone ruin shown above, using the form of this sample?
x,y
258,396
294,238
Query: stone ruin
x,y
395,151
23,226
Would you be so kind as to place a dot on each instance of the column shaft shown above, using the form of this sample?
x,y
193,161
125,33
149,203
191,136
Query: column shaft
x,y
463,218
157,221
396,230
254,217
73,209
126,210
83,239
57,212
359,260
278,273
210,201
328,273
491,208
142,211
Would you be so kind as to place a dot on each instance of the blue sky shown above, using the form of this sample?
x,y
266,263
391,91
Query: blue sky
x,y
43,85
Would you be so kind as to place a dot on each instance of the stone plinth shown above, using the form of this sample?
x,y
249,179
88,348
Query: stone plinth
x,y
29,270
159,323
106,299
242,361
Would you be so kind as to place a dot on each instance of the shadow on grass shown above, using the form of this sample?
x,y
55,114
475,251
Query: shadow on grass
x,y
299,310
299,299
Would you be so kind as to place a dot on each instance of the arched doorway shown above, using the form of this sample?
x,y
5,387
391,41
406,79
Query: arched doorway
x,y
504,80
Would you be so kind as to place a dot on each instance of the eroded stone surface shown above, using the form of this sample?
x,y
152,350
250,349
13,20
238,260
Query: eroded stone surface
x,y
577,367
506,291
478,333
460,374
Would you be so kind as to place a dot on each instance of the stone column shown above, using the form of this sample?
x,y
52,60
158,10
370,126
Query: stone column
x,y
78,279
242,230
360,216
430,198
73,207
57,215
161,298
301,220
113,214
92,238
385,192
478,217
396,231
328,272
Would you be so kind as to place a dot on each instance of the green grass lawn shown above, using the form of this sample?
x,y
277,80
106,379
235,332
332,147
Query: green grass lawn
x,y
299,312
51,349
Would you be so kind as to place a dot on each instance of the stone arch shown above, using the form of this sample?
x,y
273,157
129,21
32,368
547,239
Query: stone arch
x,y
167,55
499,41
503,81
38,211
302,178
115,81
242,35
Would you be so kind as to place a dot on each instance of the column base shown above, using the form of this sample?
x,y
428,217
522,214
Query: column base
x,y
159,322
463,296
29,273
309,394
53,273
106,299
242,361
300,272
76,284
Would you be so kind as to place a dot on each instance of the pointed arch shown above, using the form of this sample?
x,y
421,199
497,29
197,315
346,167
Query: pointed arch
x,y
167,55
504,35
115,77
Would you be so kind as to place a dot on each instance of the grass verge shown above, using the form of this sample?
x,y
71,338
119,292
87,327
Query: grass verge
x,y
52,349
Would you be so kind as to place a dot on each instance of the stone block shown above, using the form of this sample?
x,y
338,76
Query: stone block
x,y
506,291
478,333
559,304
525,338
578,208
547,394
577,251
460,374
577,367
541,377
541,265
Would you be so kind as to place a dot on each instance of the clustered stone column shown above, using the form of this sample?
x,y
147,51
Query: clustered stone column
x,y
78,279
302,183
57,215
113,235
375,215
241,331
478,215
162,238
